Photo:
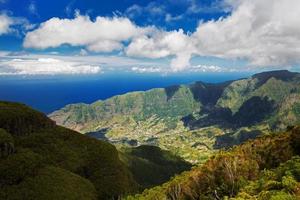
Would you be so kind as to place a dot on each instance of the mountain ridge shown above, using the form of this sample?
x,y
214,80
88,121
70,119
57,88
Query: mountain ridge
x,y
197,112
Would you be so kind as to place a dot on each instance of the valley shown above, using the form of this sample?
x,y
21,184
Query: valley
x,y
192,121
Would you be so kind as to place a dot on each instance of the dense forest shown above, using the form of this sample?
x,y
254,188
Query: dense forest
x,y
40,160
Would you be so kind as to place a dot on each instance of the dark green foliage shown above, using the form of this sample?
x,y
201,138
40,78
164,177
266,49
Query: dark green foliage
x,y
152,166
253,111
51,162
5,137
211,116
296,140
296,109
235,138
51,183
206,93
155,155
283,75
95,160
19,119
171,90
6,144
18,166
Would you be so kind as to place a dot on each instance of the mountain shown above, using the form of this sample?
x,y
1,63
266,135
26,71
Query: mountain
x,y
192,121
40,160
267,168
151,166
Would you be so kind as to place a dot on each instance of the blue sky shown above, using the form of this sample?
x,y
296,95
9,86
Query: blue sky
x,y
164,36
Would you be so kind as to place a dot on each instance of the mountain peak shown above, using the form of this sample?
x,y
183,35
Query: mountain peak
x,y
283,75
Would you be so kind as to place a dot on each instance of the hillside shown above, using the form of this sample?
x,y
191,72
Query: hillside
x,y
267,168
40,160
151,166
192,121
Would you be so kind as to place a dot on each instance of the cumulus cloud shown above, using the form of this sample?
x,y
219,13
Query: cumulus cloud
x,y
266,33
13,25
5,24
102,35
162,44
45,66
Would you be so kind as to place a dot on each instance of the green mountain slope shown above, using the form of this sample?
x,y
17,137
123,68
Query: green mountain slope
x,y
151,117
191,120
267,168
39,160
44,157
152,166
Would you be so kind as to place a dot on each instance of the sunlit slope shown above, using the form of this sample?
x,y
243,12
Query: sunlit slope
x,y
266,168
190,120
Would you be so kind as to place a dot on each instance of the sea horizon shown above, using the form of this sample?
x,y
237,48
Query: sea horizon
x,y
50,93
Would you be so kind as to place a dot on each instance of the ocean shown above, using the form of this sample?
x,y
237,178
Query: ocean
x,y
49,93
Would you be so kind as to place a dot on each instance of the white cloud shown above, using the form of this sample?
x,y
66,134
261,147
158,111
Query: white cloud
x,y
108,34
162,44
5,24
102,35
13,25
14,62
264,32
105,46
206,68
4,53
147,69
44,66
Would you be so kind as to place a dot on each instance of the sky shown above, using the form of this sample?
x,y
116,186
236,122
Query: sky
x,y
65,37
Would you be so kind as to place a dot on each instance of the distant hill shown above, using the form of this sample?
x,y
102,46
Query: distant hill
x,y
40,160
195,120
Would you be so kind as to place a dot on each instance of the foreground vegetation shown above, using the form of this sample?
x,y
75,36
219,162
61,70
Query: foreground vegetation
x,y
39,160
267,168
